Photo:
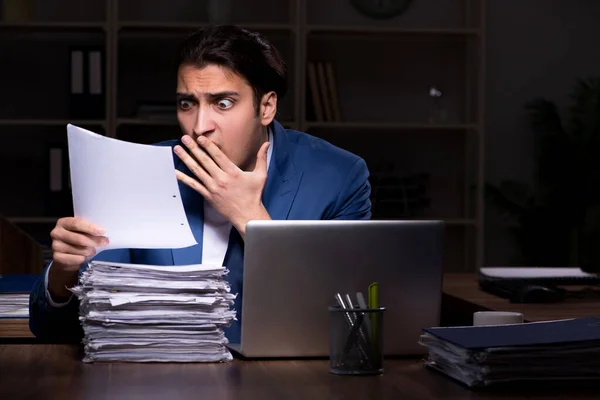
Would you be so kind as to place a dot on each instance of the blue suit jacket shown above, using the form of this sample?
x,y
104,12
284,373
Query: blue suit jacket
x,y
308,179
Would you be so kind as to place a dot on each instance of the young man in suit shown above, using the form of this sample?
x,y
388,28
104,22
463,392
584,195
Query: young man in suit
x,y
234,163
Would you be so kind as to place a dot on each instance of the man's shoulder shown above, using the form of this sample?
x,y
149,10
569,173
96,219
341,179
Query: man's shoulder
x,y
170,143
167,143
320,151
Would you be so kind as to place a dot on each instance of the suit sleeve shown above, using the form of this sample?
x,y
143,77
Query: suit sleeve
x,y
59,323
354,200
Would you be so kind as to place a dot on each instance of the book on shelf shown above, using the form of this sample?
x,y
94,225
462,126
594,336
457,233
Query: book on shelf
x,y
58,197
323,99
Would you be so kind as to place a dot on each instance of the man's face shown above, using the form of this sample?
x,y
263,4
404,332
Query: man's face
x,y
217,103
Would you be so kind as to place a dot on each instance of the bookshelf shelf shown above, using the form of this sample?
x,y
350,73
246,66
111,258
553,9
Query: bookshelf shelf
x,y
49,122
52,25
382,70
389,125
324,29
186,26
33,220
140,121
150,122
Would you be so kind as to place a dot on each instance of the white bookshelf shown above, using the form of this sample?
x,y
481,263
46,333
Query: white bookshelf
x,y
381,70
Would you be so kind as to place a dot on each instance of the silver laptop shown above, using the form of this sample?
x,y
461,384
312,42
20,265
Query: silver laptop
x,y
293,269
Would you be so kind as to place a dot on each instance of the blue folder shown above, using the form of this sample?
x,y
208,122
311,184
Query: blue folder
x,y
561,332
17,283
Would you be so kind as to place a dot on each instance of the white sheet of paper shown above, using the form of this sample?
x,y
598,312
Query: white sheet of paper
x,y
128,189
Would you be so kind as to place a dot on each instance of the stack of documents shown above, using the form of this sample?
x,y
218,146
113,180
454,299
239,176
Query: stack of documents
x,y
14,305
543,352
145,313
14,294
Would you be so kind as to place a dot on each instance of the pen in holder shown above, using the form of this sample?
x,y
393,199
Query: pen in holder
x,y
355,344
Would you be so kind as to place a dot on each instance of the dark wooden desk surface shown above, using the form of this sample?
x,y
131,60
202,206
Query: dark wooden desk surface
x,y
56,372
463,290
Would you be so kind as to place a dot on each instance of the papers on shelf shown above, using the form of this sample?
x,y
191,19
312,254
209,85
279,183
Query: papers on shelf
x,y
145,313
14,294
15,305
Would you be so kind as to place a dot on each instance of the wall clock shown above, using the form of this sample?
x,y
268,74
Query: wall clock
x,y
380,9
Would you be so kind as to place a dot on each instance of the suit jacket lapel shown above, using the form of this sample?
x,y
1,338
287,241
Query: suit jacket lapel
x,y
194,209
283,178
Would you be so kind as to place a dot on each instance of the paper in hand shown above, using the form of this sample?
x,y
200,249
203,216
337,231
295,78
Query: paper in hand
x,y
128,189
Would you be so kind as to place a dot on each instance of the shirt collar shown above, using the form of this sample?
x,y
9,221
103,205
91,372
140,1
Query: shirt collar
x,y
270,149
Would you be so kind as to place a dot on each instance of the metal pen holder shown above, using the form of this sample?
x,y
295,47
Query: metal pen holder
x,y
356,340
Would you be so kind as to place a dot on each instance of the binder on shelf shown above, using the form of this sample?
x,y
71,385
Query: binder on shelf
x,y
87,94
58,201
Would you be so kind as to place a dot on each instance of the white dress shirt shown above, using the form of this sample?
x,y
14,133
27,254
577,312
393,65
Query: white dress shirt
x,y
215,237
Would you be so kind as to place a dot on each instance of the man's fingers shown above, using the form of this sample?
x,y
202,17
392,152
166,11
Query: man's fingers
x,y
78,239
193,183
261,158
201,156
80,225
62,247
69,262
196,168
217,155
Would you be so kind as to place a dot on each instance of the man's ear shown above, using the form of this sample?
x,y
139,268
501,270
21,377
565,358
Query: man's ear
x,y
268,108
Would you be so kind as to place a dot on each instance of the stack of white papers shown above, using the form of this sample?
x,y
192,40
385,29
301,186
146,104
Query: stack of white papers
x,y
146,313
14,305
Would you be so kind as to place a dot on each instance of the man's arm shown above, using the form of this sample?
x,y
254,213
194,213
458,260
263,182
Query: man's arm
x,y
57,320
50,320
354,200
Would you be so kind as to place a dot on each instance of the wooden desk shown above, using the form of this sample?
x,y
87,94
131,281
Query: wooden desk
x,y
55,371
462,293
15,328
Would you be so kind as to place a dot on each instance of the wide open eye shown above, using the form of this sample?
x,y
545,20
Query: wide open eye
x,y
225,104
185,104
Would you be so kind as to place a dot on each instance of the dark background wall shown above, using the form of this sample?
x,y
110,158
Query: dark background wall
x,y
487,64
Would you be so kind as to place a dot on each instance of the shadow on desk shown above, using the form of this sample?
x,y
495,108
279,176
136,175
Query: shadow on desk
x,y
532,389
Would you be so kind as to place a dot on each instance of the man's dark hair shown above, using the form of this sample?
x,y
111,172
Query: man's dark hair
x,y
246,53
